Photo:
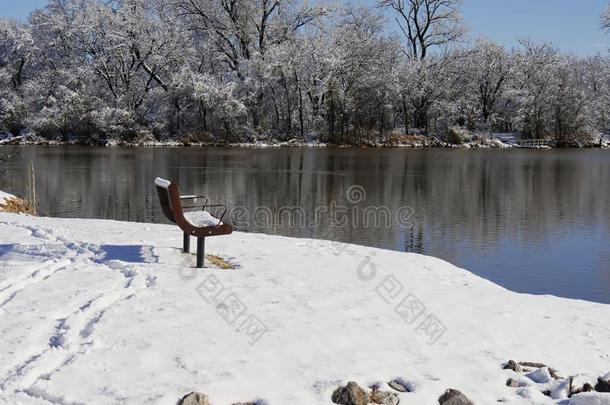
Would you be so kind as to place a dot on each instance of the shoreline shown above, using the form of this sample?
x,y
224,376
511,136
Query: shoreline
x,y
411,142
301,145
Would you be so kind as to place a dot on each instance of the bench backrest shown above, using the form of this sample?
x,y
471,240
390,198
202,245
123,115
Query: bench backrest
x,y
165,189
171,204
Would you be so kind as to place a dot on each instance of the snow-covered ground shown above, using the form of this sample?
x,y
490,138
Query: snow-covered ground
x,y
104,312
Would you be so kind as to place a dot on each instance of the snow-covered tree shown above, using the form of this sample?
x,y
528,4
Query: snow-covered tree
x,y
16,48
125,70
491,72
533,87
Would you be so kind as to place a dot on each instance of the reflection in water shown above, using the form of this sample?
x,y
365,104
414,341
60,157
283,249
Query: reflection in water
x,y
533,221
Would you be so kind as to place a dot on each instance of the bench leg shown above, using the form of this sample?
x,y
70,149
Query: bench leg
x,y
200,252
186,243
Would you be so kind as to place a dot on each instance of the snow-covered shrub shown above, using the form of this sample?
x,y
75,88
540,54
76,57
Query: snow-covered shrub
x,y
114,123
457,135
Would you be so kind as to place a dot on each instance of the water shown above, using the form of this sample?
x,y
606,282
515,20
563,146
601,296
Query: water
x,y
533,221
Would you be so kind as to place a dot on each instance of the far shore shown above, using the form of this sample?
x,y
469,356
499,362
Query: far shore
x,y
418,143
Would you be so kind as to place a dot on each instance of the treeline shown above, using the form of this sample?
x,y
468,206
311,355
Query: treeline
x,y
241,70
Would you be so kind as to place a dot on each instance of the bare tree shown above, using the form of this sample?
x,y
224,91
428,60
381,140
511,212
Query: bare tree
x,y
606,19
427,23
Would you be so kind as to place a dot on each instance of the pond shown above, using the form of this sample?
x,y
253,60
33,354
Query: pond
x,y
533,221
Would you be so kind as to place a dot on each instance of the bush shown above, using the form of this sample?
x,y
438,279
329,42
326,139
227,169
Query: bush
x,y
457,135
195,138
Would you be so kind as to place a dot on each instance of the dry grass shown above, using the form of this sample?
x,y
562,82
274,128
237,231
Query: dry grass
x,y
196,138
220,262
17,206
398,139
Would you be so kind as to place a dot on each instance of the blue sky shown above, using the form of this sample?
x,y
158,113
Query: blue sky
x,y
572,25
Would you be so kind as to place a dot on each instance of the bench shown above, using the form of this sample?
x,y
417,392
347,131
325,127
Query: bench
x,y
189,213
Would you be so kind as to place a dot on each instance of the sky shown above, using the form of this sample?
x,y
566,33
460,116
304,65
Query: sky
x,y
572,25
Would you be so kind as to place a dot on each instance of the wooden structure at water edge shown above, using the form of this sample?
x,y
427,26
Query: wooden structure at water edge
x,y
534,143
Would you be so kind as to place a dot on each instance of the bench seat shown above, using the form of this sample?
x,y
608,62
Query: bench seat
x,y
201,219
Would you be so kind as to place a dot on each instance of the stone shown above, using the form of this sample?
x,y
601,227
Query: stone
x,y
384,398
582,383
534,395
351,394
561,389
602,385
398,386
511,382
585,388
531,364
194,398
513,365
540,376
454,397
554,374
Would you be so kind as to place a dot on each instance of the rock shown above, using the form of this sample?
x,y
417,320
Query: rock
x,y
384,398
525,382
602,385
244,403
513,365
351,394
533,394
194,398
540,376
582,383
561,389
454,397
398,386
511,382
554,374
585,388
531,364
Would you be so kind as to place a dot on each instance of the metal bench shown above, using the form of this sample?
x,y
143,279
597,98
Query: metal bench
x,y
191,217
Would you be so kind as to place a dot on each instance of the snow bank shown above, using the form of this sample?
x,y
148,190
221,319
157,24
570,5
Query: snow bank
x,y
108,312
